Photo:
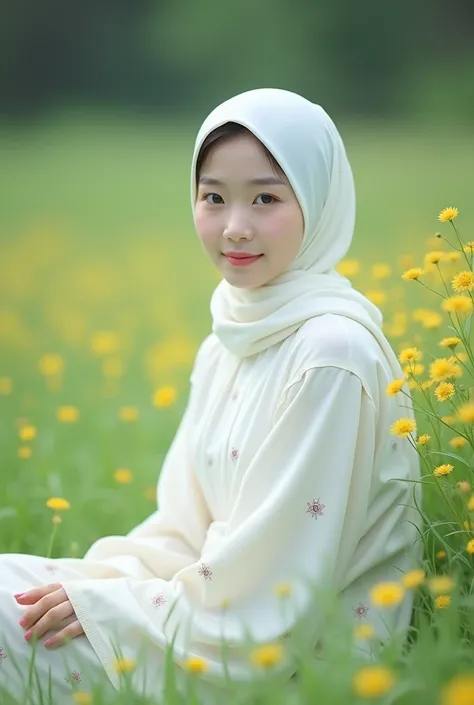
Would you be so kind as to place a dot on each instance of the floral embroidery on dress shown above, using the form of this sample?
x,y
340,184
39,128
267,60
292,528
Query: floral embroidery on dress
x,y
74,678
235,454
3,655
315,508
205,571
158,600
360,612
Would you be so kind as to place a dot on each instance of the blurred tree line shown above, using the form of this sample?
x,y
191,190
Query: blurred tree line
x,y
359,58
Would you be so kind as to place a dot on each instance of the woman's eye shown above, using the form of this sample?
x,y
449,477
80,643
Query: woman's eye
x,y
268,198
212,195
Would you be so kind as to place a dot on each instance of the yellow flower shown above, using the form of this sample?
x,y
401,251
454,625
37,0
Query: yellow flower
x,y
442,601
470,504
128,413
450,420
412,273
195,664
457,442
81,697
387,594
364,631
463,281
448,214
124,665
452,256
444,391
443,470
440,584
67,414
373,681
267,656
123,477
381,270
441,555
414,370
442,368
164,396
423,439
27,433
409,355
377,296
6,386
283,589
431,320
450,342
459,690
58,504
469,248
466,413
464,486
51,365
394,387
403,427
413,578
457,304
24,452
105,342
434,257
470,546
348,268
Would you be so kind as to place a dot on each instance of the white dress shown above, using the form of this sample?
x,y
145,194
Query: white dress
x,y
283,470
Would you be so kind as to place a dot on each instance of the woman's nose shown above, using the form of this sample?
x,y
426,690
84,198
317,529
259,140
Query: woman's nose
x,y
238,227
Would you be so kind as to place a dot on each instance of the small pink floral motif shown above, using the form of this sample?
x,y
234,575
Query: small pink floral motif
x,y
360,611
3,655
74,678
315,508
51,568
235,454
158,600
205,571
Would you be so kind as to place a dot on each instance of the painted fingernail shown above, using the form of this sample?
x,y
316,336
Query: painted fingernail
x,y
28,635
22,622
48,642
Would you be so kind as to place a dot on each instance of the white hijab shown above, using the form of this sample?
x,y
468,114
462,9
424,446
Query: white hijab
x,y
308,147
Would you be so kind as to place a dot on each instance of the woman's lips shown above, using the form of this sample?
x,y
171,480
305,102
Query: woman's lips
x,y
242,261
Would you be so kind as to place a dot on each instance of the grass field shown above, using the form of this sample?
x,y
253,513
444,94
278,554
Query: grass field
x,y
104,298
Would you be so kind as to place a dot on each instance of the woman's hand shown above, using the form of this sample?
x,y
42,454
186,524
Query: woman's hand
x,y
50,606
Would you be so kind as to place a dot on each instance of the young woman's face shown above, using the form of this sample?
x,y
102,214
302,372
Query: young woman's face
x,y
236,213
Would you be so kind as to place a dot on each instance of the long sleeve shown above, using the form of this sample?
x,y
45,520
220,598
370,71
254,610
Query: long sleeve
x,y
172,537
298,518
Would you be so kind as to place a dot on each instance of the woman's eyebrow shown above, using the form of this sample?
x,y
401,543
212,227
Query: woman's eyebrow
x,y
258,181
